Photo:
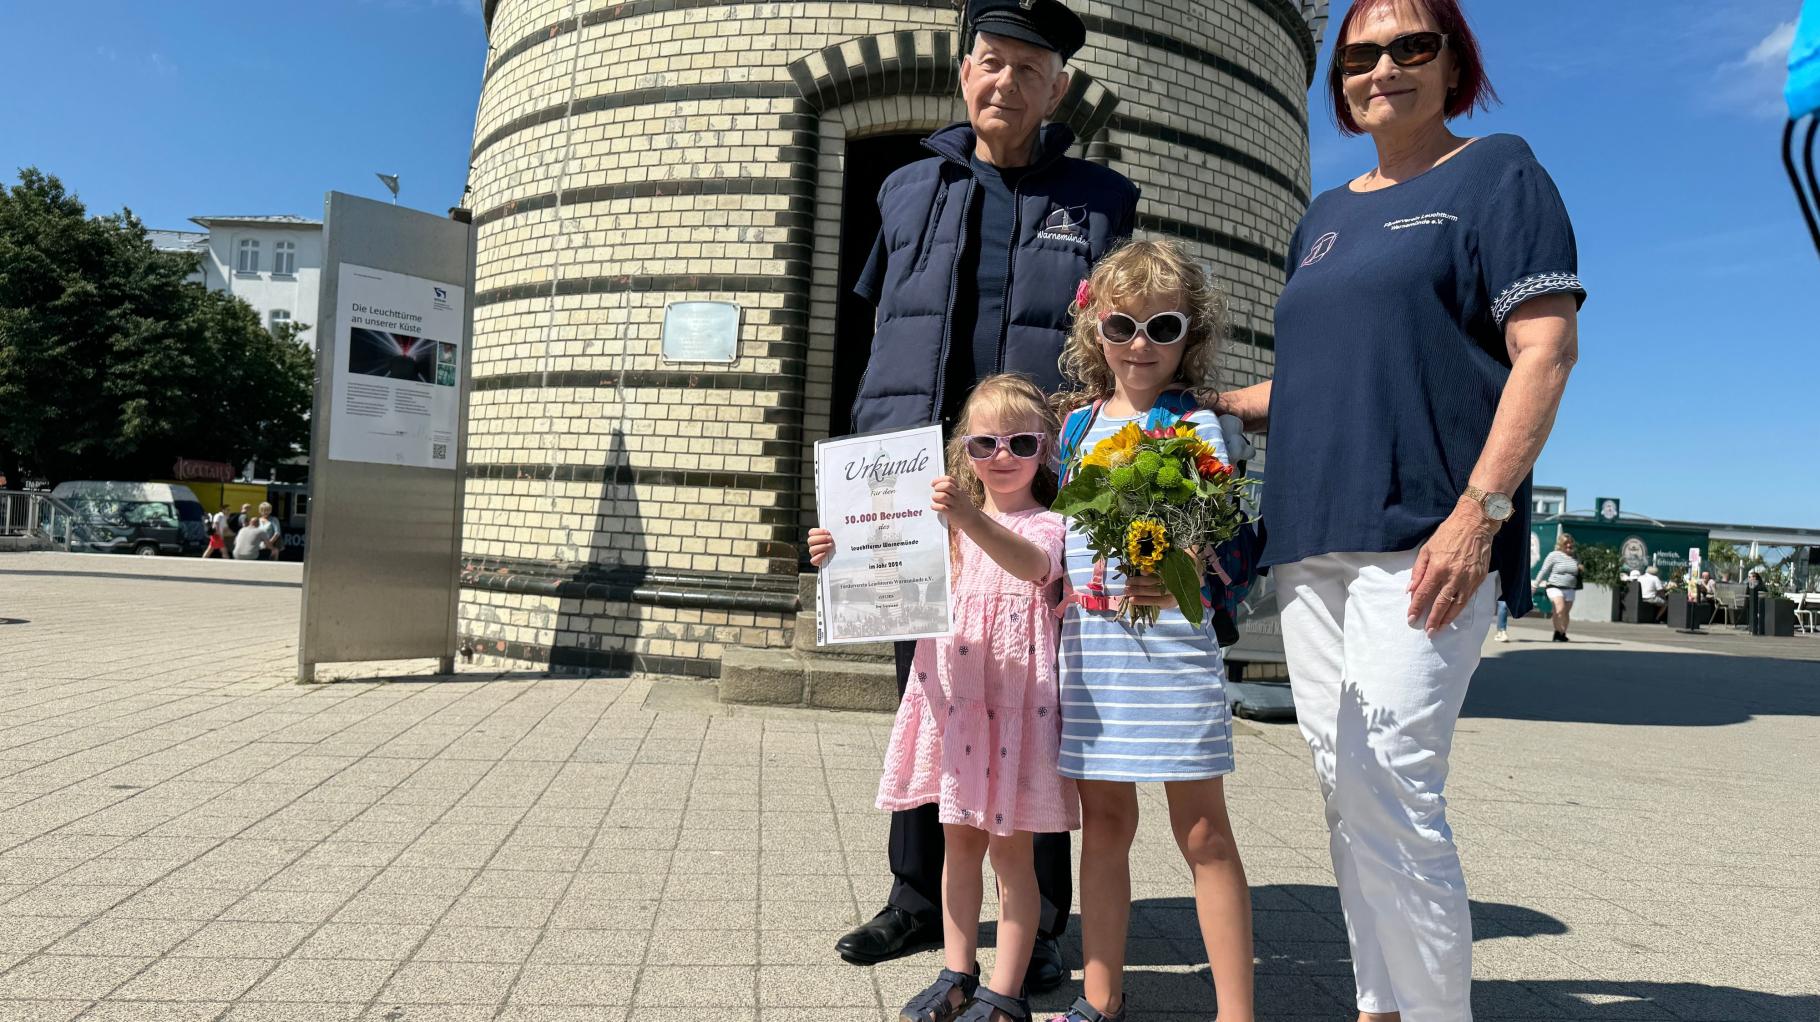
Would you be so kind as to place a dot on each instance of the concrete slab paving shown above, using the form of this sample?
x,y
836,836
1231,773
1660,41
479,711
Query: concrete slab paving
x,y
186,833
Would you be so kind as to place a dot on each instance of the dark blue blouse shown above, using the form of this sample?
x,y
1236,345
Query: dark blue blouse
x,y
1391,355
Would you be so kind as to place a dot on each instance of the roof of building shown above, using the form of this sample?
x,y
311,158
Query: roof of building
x,y
178,241
270,220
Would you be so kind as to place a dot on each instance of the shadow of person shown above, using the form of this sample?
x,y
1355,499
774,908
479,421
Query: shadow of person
x,y
1637,687
1304,968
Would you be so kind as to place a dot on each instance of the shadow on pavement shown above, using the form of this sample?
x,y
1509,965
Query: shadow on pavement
x,y
133,576
1597,686
1305,968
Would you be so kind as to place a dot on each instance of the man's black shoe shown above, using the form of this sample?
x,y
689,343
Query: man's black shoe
x,y
891,933
1046,971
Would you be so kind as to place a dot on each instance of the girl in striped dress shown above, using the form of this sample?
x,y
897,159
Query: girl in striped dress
x,y
1150,705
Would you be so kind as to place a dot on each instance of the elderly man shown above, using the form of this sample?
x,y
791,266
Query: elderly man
x,y
976,263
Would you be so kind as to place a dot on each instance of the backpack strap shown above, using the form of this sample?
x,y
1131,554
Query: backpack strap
x,y
1171,406
1074,431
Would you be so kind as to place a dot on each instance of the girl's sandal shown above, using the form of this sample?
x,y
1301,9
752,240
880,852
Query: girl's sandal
x,y
935,1003
987,1002
1085,1012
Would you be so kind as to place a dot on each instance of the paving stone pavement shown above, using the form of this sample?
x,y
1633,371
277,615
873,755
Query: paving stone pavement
x,y
188,834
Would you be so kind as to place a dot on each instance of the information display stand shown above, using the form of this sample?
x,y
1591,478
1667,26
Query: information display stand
x,y
388,447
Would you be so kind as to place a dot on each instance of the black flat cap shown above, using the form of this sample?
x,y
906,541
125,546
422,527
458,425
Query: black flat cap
x,y
1044,23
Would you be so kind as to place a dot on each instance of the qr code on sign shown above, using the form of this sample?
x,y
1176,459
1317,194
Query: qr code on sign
x,y
439,452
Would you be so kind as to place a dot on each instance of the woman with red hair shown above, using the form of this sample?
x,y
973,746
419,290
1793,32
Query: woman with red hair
x,y
1423,342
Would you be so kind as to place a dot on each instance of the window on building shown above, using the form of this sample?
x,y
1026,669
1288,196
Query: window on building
x,y
277,318
284,257
249,256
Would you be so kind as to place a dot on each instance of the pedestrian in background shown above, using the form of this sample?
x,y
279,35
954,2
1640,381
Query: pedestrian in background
x,y
273,535
248,540
218,531
1560,573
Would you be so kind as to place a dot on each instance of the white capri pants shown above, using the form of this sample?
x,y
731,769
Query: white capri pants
x,y
1377,701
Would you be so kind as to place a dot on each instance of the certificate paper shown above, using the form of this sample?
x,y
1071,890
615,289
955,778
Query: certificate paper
x,y
888,578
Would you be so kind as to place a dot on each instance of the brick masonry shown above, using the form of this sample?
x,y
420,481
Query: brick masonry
x,y
624,513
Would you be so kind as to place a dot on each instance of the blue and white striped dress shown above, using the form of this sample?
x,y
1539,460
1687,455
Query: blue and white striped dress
x,y
1147,706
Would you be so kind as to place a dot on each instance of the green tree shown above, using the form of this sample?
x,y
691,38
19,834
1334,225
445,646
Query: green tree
x,y
1600,565
113,365
1726,558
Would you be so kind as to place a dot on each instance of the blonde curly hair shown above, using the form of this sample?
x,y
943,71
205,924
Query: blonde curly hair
x,y
1014,398
1127,275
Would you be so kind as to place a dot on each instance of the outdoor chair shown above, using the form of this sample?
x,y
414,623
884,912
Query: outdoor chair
x,y
1728,602
1807,611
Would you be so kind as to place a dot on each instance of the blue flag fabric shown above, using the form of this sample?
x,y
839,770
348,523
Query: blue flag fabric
x,y
1803,92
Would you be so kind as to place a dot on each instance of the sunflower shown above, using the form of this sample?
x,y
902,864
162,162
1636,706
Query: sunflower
x,y
1116,449
1145,543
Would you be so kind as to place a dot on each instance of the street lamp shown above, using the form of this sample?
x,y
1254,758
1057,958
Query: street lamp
x,y
391,183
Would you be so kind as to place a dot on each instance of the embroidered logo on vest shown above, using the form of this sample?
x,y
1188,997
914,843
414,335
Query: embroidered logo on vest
x,y
1066,223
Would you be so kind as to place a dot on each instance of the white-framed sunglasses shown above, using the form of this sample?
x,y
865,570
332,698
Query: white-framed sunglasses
x,y
985,446
1162,328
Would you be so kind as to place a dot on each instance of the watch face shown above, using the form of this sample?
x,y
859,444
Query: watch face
x,y
1498,507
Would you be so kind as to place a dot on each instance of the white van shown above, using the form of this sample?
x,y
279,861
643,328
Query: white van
x,y
136,518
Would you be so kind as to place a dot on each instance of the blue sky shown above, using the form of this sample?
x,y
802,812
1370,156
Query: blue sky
x,y
1659,120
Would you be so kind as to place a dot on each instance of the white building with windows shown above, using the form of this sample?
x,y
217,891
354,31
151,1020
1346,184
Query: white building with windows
x,y
274,263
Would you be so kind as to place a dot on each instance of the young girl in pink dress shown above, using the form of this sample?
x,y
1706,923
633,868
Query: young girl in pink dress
x,y
979,731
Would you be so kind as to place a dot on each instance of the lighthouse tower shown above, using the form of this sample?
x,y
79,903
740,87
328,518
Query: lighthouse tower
x,y
636,493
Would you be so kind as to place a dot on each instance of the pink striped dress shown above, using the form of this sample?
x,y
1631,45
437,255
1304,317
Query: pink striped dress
x,y
978,733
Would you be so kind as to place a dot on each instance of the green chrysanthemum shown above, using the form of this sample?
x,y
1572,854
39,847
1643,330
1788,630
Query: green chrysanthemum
x,y
1148,462
1124,478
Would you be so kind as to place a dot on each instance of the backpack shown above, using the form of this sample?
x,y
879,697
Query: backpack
x,y
1234,566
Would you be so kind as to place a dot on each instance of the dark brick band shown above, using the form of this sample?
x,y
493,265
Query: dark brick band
x,y
635,97
679,188
661,282
1212,147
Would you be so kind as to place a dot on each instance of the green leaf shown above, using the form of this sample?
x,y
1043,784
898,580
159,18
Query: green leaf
x,y
1183,581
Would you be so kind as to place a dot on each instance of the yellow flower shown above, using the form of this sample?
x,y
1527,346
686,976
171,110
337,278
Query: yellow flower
x,y
1145,543
1119,446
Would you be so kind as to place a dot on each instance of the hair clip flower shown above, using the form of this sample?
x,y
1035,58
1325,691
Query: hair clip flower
x,y
1083,295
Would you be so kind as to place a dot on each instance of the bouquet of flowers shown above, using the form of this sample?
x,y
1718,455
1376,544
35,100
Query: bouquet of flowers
x,y
1155,502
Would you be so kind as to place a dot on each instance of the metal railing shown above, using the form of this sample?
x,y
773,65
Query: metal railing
x,y
42,516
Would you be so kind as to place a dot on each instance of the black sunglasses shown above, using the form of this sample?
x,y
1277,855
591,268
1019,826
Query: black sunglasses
x,y
1162,328
1412,50
985,447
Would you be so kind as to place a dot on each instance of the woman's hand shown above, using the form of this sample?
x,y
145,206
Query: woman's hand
x,y
1450,567
1148,591
949,497
821,546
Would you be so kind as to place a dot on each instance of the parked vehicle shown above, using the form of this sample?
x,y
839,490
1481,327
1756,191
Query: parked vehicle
x,y
147,519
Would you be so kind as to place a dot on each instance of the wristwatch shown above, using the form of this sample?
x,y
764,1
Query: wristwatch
x,y
1497,506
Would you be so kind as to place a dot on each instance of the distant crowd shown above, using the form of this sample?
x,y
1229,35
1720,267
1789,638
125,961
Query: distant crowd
x,y
251,537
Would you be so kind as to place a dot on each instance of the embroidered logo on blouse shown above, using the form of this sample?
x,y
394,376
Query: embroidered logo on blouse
x,y
1425,220
1322,245
1066,223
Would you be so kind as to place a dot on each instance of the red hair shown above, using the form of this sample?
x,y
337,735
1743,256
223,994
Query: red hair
x,y
1474,90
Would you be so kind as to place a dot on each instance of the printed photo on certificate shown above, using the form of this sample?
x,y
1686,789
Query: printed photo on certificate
x,y
888,578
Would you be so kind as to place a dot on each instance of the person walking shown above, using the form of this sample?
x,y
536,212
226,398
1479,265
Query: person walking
x,y
218,534
1559,573
1423,342
978,253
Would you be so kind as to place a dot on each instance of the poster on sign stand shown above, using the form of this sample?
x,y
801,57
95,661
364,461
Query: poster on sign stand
x,y
396,399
